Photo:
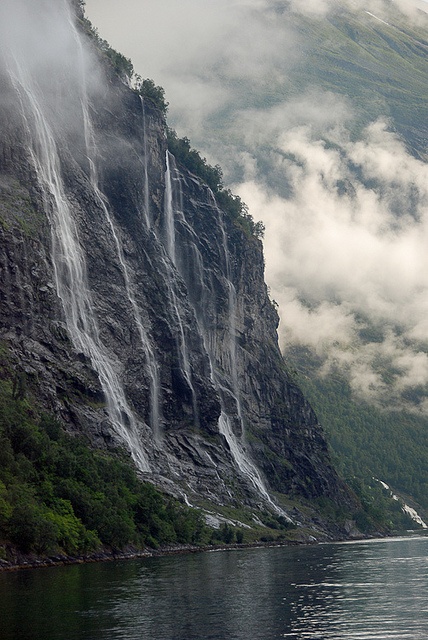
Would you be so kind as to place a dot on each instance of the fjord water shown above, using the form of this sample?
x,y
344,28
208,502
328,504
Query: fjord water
x,y
373,590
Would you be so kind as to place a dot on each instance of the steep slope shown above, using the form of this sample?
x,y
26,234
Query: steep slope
x,y
131,304
344,207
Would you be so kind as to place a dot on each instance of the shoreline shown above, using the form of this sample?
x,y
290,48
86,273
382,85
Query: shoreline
x,y
20,561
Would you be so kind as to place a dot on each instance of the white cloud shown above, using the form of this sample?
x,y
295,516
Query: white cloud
x,y
346,214
337,255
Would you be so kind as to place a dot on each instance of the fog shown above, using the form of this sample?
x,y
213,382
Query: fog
x,y
40,49
346,215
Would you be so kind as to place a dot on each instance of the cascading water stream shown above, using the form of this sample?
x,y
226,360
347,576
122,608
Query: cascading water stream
x,y
146,170
198,271
169,212
68,258
152,366
91,153
237,445
171,250
232,318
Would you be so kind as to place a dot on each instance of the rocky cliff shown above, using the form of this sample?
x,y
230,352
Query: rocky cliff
x,y
131,304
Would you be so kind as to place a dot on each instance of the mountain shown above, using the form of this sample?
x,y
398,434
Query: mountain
x,y
322,129
134,310
378,61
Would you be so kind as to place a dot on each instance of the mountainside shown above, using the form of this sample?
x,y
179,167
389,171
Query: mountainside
x,y
376,427
132,306
323,129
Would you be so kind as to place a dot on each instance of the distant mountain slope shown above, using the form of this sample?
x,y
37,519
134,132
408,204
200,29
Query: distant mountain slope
x,y
376,62
367,441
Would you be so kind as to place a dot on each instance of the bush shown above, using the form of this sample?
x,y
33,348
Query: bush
x,y
239,536
57,493
231,204
30,530
152,92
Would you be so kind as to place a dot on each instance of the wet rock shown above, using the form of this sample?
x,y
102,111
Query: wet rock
x,y
176,304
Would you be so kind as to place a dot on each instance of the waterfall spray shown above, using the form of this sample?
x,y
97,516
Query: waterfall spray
x,y
67,256
91,152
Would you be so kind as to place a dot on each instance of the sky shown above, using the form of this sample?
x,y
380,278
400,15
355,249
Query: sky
x,y
340,263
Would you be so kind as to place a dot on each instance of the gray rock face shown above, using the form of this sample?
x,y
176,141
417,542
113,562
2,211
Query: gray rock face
x,y
135,307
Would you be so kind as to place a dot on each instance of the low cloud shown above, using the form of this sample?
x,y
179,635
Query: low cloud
x,y
345,207
346,254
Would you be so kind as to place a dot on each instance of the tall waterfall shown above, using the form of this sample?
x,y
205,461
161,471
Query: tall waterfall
x,y
67,255
171,209
232,316
92,155
146,168
91,152
196,275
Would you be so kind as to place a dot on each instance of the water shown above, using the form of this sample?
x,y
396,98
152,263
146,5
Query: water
x,y
146,169
169,207
42,124
92,156
189,261
149,354
364,591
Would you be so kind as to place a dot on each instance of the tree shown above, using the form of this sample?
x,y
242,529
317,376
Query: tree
x,y
148,89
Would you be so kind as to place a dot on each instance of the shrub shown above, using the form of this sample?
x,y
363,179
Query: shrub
x,y
57,493
152,92
231,204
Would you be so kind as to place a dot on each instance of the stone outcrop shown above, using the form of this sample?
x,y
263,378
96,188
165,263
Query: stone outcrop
x,y
157,334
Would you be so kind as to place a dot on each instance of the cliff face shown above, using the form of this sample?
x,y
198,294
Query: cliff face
x,y
130,303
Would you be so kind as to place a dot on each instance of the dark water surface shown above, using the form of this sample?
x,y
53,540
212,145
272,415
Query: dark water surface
x,y
373,590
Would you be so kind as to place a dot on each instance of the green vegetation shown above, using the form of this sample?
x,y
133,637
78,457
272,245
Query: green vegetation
x,y
379,511
122,65
59,495
231,204
366,440
152,92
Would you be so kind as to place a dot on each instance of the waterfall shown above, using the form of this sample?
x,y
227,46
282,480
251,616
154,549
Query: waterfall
x,y
243,462
170,210
237,445
196,277
68,258
152,365
184,354
232,317
169,231
91,153
412,513
145,166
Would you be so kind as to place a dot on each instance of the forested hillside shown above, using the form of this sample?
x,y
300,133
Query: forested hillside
x,y
367,440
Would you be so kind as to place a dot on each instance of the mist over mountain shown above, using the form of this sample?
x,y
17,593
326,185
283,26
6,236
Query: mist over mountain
x,y
318,114
138,341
